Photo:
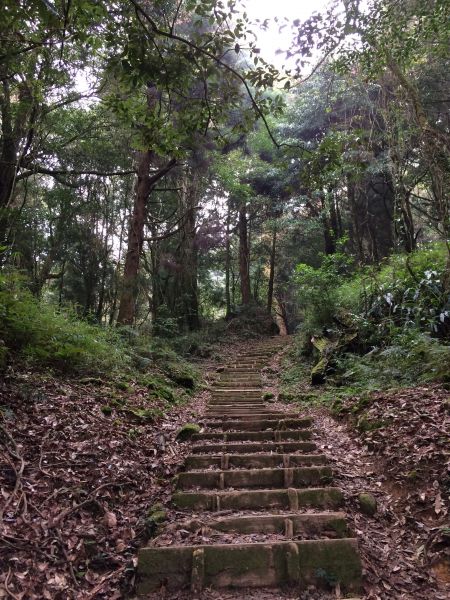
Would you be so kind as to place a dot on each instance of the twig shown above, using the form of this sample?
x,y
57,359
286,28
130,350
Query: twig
x,y
18,473
66,512
99,586
8,591
66,556
41,455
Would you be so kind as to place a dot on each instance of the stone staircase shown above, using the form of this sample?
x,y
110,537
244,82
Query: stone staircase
x,y
261,494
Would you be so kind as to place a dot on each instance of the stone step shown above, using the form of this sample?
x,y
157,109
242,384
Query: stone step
x,y
251,447
237,382
255,365
327,524
260,424
236,395
237,403
301,563
290,498
236,391
260,436
248,417
254,461
241,385
296,477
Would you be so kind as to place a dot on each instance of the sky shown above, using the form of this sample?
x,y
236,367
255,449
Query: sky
x,y
272,40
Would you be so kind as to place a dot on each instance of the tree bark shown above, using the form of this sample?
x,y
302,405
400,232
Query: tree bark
x,y
188,257
144,184
127,307
244,270
227,265
272,271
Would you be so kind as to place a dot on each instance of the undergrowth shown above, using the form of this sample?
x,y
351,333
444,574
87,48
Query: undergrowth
x,y
399,318
37,334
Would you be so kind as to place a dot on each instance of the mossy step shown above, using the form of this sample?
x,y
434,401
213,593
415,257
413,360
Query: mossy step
x,y
233,384
301,563
252,376
254,461
296,477
248,417
250,447
236,391
242,403
236,395
329,524
231,390
266,436
291,498
261,424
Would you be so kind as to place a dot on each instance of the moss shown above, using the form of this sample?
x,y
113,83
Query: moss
x,y
364,424
133,433
367,504
159,388
268,396
187,431
318,372
182,374
286,397
340,527
122,385
240,561
145,414
106,410
361,403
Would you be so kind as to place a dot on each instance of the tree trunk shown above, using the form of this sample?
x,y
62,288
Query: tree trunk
x,y
372,206
408,222
244,257
272,271
144,184
188,257
127,307
227,265
435,144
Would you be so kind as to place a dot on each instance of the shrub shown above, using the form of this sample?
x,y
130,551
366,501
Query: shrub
x,y
45,335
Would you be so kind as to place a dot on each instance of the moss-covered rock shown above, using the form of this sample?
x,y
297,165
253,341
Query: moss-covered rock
x,y
155,517
159,388
181,373
187,431
268,396
106,410
367,504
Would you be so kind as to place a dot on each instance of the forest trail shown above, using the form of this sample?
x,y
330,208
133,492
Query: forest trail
x,y
257,482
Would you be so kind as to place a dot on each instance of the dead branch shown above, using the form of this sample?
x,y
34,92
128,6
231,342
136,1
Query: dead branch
x,y
66,512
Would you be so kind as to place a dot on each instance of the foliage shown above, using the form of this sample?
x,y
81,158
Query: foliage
x,y
407,291
318,290
46,336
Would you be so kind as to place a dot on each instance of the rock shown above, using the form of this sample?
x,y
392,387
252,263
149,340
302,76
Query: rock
x,y
220,369
187,431
367,504
157,513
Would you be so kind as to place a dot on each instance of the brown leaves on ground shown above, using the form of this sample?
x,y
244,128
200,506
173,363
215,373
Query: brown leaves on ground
x,y
403,460
76,485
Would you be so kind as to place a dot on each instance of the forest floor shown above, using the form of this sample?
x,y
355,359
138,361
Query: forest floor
x,y
84,482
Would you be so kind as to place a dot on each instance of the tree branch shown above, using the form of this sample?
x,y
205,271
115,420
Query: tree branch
x,y
173,36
